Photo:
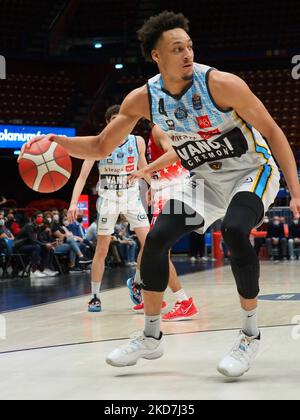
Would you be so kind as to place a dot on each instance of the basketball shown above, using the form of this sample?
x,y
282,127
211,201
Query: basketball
x,y
46,167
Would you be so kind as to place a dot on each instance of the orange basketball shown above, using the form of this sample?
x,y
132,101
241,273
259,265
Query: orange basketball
x,y
46,167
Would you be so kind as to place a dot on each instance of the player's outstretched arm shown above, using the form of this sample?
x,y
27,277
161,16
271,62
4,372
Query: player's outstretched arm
x,y
134,107
229,91
78,188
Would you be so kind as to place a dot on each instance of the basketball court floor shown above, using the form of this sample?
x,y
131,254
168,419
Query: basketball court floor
x,y
57,350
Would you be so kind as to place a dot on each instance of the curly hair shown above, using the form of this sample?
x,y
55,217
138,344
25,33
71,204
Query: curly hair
x,y
112,110
154,27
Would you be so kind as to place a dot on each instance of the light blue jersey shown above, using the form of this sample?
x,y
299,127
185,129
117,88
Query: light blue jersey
x,y
115,169
208,140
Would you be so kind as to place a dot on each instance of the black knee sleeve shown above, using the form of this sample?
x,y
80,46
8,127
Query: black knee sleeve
x,y
168,229
244,213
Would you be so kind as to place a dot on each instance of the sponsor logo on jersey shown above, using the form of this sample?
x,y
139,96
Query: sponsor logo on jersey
x,y
196,152
171,124
181,113
206,135
249,180
142,217
110,161
197,102
161,107
130,168
217,166
112,170
204,122
130,150
104,220
130,160
113,182
120,155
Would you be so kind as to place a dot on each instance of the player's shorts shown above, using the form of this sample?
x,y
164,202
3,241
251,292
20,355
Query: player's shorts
x,y
212,199
109,212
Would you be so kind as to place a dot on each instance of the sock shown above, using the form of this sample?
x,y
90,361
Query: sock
x,y
96,289
180,296
137,278
250,327
152,326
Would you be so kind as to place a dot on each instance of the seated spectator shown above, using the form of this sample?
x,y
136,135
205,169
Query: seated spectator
x,y
127,246
67,244
276,238
12,224
294,238
28,243
6,237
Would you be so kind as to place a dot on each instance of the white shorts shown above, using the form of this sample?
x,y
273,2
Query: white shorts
x,y
109,212
211,200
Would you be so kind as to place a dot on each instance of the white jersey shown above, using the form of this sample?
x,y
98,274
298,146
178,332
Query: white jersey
x,y
211,143
114,171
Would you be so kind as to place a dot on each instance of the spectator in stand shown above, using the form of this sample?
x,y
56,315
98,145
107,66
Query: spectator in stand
x,y
6,237
91,234
197,247
67,244
12,224
276,238
2,201
28,243
294,238
127,246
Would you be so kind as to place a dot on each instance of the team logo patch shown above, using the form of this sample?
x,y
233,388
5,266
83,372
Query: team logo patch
x,y
130,150
217,166
181,113
161,108
130,168
171,124
204,122
197,102
120,194
130,160
206,135
120,155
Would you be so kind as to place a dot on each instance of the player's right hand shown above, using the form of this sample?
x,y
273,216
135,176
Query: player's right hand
x,y
26,147
72,213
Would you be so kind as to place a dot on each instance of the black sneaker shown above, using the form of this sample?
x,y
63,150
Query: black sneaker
x,y
84,260
95,305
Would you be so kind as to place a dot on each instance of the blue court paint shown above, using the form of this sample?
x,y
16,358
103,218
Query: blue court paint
x,y
283,297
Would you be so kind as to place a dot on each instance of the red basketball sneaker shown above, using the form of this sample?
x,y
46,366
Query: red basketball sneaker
x,y
182,311
139,309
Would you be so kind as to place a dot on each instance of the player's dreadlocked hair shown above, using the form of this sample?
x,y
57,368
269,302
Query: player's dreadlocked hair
x,y
154,27
112,110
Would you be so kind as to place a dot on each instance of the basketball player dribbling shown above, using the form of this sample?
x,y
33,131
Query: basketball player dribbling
x,y
217,127
115,197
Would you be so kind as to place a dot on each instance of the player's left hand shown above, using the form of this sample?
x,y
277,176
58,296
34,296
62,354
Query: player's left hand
x,y
295,207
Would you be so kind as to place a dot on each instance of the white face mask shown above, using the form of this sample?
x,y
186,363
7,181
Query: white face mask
x,y
56,218
66,223
296,222
276,223
2,222
49,220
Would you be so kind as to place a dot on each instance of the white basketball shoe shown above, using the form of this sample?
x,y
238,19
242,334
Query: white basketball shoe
x,y
241,357
139,347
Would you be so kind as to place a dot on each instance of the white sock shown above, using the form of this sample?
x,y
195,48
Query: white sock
x,y
152,326
137,278
180,296
250,327
96,289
